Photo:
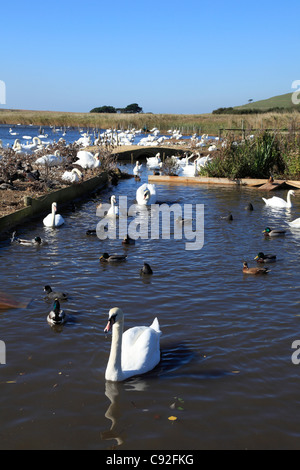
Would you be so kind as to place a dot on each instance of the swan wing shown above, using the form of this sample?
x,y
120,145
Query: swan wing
x,y
140,350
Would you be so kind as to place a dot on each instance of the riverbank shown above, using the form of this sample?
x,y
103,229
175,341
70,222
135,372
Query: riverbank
x,y
186,123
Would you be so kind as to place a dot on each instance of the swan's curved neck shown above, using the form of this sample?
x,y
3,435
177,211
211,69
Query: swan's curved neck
x,y
289,198
114,365
53,217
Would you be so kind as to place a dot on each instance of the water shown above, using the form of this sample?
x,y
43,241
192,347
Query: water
x,y
226,372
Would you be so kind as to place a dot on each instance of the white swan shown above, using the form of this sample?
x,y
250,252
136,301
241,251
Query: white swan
x,y
113,210
50,160
137,169
280,203
134,352
73,176
30,147
53,219
146,194
154,163
87,160
295,223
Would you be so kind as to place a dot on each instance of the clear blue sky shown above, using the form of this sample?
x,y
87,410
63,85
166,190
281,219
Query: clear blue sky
x,y
174,56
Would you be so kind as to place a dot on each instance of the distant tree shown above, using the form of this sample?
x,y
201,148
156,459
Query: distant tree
x,y
250,101
132,108
104,109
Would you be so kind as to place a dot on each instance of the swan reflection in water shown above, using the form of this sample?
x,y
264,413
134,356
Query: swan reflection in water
x,y
113,391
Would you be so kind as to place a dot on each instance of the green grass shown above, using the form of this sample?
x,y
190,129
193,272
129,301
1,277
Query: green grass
x,y
280,101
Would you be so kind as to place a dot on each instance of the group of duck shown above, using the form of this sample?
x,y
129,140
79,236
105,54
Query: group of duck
x,y
137,350
276,203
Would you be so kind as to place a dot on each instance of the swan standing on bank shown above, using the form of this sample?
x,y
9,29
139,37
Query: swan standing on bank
x,y
280,203
53,219
134,352
146,194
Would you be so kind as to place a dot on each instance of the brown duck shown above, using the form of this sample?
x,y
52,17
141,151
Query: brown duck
x,y
247,270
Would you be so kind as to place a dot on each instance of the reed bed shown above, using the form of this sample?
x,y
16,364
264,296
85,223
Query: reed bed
x,y
185,123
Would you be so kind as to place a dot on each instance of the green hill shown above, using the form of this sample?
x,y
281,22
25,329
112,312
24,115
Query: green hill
x,y
280,101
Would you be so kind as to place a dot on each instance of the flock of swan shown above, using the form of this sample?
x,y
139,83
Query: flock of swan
x,y
135,351
279,203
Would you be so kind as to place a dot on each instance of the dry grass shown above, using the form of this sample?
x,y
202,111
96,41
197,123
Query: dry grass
x,y
186,123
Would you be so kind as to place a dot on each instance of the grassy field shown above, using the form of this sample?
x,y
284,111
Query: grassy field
x,y
280,101
186,123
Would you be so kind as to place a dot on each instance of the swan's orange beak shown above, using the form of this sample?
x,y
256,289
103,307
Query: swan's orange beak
x,y
107,328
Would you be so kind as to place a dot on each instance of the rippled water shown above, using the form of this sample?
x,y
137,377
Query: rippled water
x,y
226,372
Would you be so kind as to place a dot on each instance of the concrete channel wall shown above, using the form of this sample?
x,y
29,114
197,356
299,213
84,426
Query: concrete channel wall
x,y
42,205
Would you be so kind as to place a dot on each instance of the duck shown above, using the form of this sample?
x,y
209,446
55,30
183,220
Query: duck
x,y
134,352
113,210
53,219
56,316
278,202
54,295
128,241
146,194
247,270
249,207
106,258
274,233
295,223
36,241
146,269
137,169
262,258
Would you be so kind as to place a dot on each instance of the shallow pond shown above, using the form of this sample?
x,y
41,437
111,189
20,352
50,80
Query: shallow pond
x,y
226,372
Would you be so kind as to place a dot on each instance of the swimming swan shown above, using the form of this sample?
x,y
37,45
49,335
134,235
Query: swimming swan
x,y
137,169
113,210
280,203
53,219
134,352
295,223
146,194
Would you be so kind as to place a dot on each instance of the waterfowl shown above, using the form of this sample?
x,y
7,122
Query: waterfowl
x,y
36,241
53,219
154,163
134,352
54,295
56,316
146,269
278,202
112,258
137,169
87,160
128,241
274,233
113,210
247,270
146,194
262,258
50,160
295,223
73,176
249,207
